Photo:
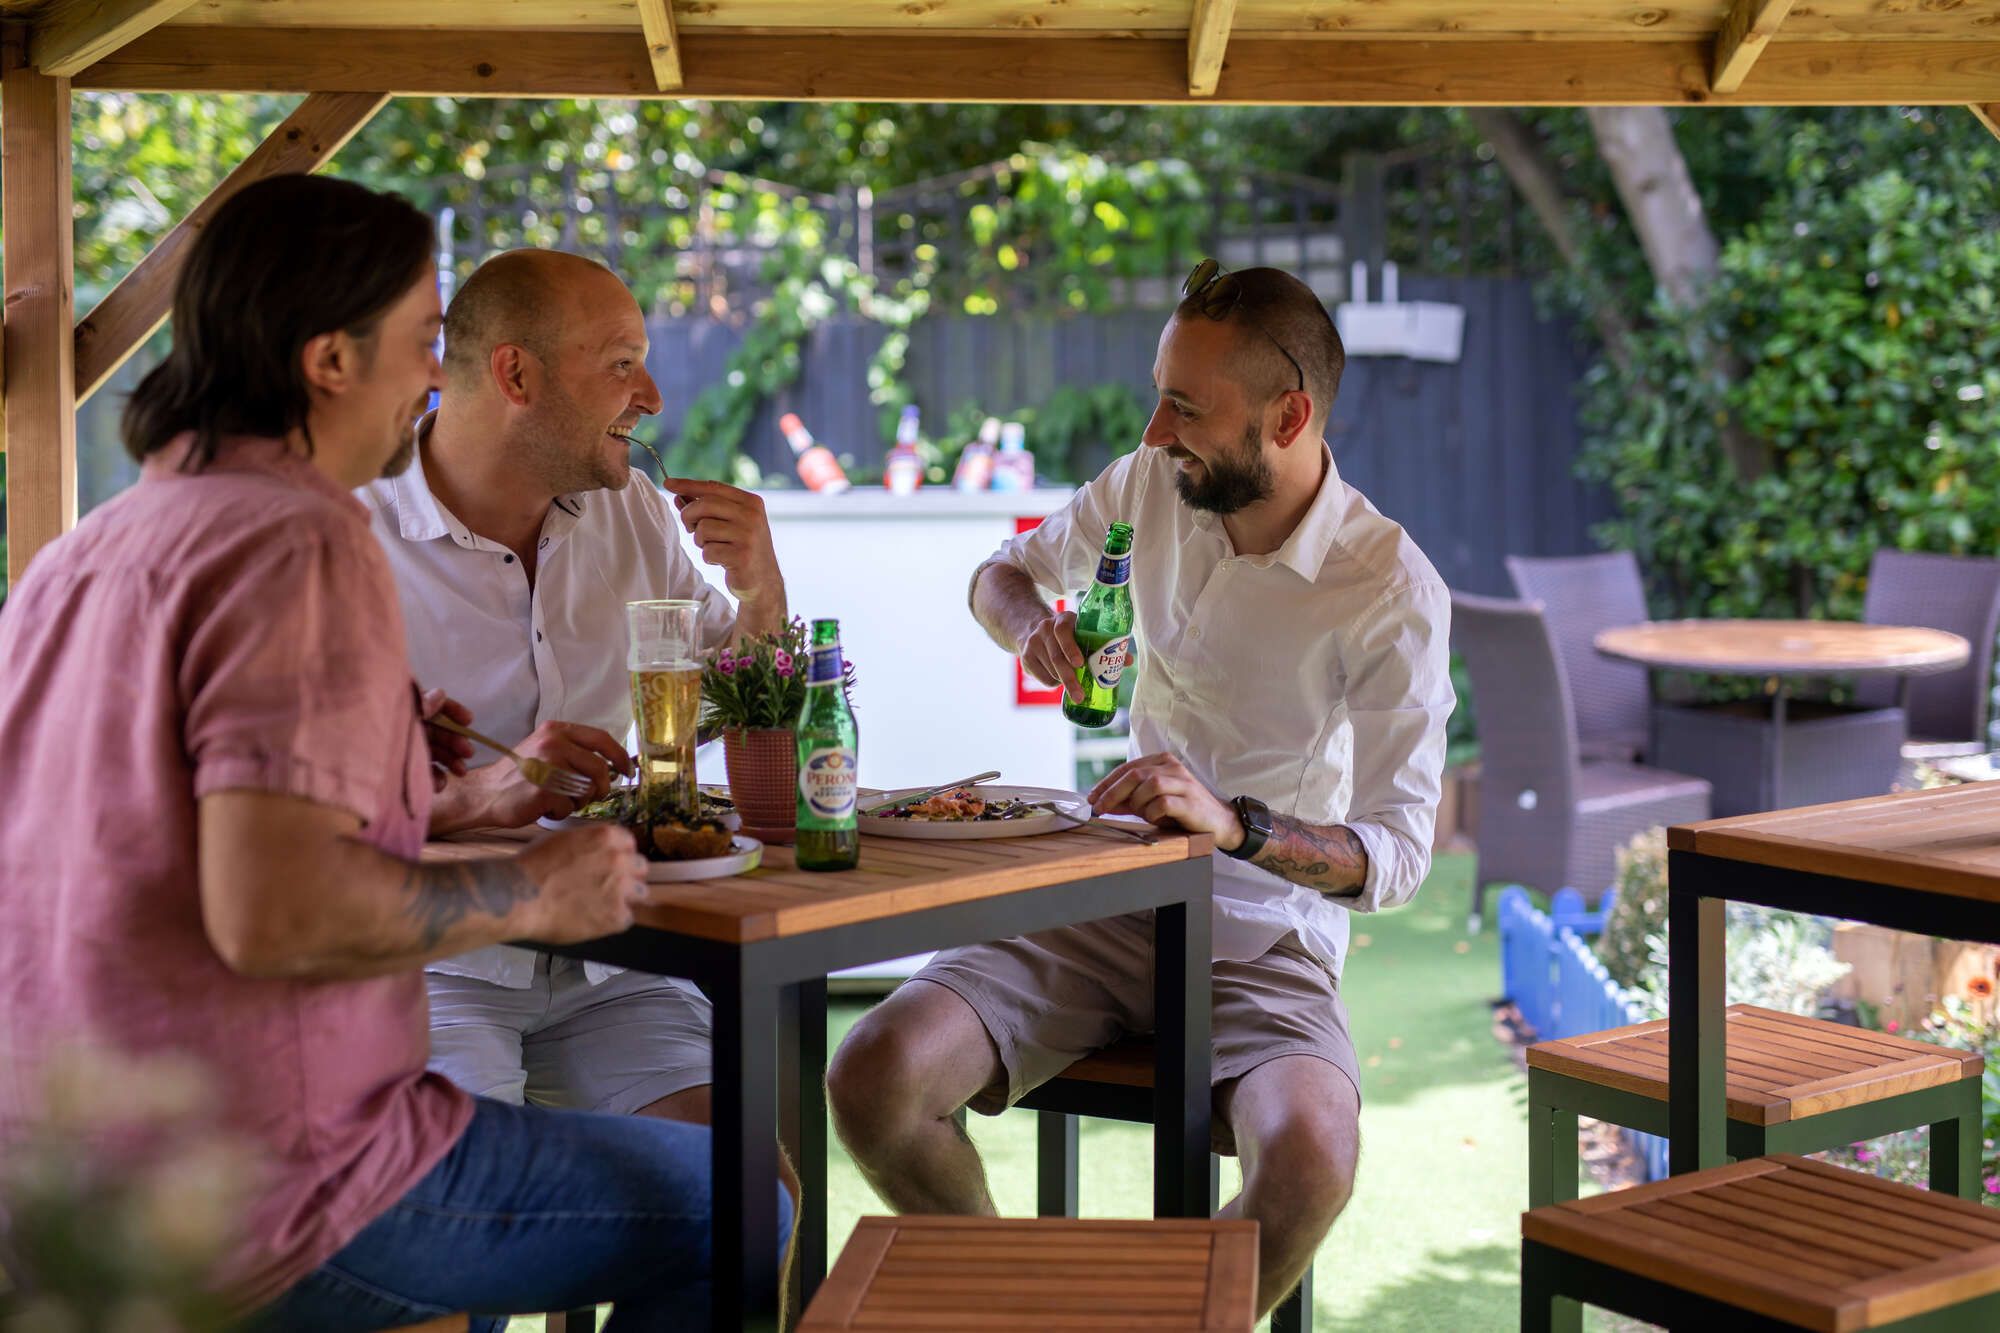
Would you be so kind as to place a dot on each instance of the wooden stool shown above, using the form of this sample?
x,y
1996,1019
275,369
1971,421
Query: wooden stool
x,y
1780,1242
1793,1085
1116,1083
1036,1274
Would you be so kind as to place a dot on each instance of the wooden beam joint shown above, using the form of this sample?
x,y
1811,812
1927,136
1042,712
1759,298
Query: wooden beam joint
x,y
1742,39
663,43
1208,40
74,34
1988,114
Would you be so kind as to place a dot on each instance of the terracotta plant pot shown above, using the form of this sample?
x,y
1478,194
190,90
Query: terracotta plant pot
x,y
763,780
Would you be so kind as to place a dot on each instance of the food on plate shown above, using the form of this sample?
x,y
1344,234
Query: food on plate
x,y
673,839
961,804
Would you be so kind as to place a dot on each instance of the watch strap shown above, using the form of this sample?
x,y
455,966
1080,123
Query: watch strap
x,y
1256,831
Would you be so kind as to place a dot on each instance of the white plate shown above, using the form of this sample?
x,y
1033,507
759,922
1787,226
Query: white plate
x,y
745,854
962,830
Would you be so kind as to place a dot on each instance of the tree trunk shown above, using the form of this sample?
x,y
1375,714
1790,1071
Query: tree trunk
x,y
1540,184
1637,144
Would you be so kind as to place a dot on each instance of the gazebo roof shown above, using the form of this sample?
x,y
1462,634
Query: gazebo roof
x,y
1352,52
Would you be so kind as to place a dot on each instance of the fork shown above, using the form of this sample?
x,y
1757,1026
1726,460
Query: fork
x,y
540,772
1091,822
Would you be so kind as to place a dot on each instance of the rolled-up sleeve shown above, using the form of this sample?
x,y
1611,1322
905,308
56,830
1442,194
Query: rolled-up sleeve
x,y
1399,697
295,677
1060,553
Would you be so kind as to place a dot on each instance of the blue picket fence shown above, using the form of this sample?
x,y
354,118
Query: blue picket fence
x,y
1560,986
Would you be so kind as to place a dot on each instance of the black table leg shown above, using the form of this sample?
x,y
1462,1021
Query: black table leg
x,y
808,1145
745,1150
1181,1054
1697,1116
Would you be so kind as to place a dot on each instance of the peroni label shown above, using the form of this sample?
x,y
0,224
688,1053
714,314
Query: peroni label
x,y
825,666
1108,663
1115,571
826,783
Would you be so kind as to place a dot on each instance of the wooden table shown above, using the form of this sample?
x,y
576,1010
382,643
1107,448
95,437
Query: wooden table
x,y
1924,861
761,946
1760,756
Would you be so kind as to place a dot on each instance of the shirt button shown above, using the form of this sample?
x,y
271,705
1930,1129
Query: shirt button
x,y
538,636
507,559
544,544
1197,632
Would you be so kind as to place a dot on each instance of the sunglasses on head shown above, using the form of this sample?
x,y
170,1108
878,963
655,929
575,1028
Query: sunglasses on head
x,y
1218,295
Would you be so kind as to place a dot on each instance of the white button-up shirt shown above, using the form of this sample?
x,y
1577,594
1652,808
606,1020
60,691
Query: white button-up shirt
x,y
519,656
1315,678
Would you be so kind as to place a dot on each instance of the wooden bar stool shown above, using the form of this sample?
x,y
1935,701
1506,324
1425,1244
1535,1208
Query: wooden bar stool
x,y
1116,1083
1776,1243
1793,1085
1030,1275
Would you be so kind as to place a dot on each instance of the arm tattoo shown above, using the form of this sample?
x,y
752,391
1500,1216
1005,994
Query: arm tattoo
x,y
1331,860
442,895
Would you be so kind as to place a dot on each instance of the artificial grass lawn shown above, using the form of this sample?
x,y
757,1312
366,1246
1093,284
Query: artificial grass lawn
x,y
1430,1241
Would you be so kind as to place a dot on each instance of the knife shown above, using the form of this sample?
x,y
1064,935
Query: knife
x,y
881,807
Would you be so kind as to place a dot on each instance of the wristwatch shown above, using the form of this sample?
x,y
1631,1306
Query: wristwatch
x,y
1256,820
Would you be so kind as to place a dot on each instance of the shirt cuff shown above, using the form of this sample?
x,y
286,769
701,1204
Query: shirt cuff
x,y
1387,883
289,775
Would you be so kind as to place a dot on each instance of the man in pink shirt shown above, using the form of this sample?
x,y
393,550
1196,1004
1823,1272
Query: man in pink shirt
x,y
225,787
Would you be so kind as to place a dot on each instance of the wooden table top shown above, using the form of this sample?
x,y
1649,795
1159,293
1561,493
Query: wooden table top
x,y
896,876
1785,647
1946,840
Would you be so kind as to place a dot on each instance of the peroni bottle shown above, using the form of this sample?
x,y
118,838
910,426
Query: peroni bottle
x,y
828,835
1104,632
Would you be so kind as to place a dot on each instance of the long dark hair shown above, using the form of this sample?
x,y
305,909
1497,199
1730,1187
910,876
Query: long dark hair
x,y
280,263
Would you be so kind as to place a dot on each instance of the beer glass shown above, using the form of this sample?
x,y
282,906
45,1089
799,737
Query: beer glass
x,y
663,653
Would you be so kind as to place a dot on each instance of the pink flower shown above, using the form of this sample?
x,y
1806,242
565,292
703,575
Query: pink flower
x,y
1892,1026
1864,1154
1993,1184
783,661
726,665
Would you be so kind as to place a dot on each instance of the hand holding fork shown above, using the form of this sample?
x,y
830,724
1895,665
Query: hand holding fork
x,y
540,772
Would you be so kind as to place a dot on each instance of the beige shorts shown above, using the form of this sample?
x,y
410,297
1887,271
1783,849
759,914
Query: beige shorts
x,y
1050,999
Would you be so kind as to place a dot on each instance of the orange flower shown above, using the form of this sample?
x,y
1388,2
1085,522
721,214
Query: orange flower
x,y
1979,988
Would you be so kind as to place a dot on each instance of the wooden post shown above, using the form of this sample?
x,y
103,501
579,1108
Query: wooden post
x,y
127,316
35,215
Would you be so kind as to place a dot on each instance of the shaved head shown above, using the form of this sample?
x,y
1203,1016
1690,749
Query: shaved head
x,y
522,297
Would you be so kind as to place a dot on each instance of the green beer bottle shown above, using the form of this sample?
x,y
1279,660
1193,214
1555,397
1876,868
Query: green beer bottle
x,y
828,836
1104,632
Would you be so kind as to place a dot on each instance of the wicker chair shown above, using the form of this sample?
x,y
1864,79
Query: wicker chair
x,y
1947,712
1548,818
1582,595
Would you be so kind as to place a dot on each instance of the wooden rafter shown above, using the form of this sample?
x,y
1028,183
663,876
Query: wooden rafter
x,y
139,304
1743,37
1989,116
928,68
35,208
72,34
663,45
1208,39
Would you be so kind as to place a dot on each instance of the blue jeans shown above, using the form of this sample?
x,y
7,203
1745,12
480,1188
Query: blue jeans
x,y
532,1210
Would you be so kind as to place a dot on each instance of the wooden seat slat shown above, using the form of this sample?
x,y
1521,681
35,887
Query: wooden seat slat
x,y
1701,1244
1959,1231
1850,1255
1780,1203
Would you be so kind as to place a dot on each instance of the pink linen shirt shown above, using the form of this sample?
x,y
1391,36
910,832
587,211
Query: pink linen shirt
x,y
229,629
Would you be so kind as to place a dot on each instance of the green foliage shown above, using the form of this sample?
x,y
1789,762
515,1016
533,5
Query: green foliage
x,y
1860,298
760,682
1779,960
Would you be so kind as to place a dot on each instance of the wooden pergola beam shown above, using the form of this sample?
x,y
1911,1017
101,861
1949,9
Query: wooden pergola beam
x,y
1208,39
1743,37
139,304
35,217
1988,115
1111,69
72,34
663,44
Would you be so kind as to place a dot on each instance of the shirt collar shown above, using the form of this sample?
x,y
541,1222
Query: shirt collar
x,y
1304,552
419,516
247,453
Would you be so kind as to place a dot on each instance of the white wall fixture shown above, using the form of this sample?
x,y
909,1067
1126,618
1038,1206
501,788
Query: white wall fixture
x,y
1420,330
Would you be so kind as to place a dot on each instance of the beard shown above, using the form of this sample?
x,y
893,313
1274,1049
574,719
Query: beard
x,y
549,449
406,443
1232,482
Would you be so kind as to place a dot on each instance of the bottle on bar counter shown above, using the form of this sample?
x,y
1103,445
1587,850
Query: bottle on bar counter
x,y
1104,632
829,838
1014,465
903,472
975,464
818,468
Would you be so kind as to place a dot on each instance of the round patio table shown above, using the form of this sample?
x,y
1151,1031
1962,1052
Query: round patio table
x,y
1785,647
1769,755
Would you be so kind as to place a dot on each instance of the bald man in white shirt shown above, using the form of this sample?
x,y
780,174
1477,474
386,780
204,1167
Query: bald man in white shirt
x,y
1292,697
516,537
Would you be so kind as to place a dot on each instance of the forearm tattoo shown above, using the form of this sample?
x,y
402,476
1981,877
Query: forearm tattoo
x,y
442,895
1331,860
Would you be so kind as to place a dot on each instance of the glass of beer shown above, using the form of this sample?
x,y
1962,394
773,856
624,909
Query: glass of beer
x,y
663,653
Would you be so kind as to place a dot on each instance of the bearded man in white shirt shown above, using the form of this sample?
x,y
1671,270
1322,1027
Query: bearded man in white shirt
x,y
1292,696
516,537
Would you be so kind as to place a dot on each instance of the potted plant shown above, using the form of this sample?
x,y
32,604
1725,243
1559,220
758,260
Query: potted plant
x,y
753,690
